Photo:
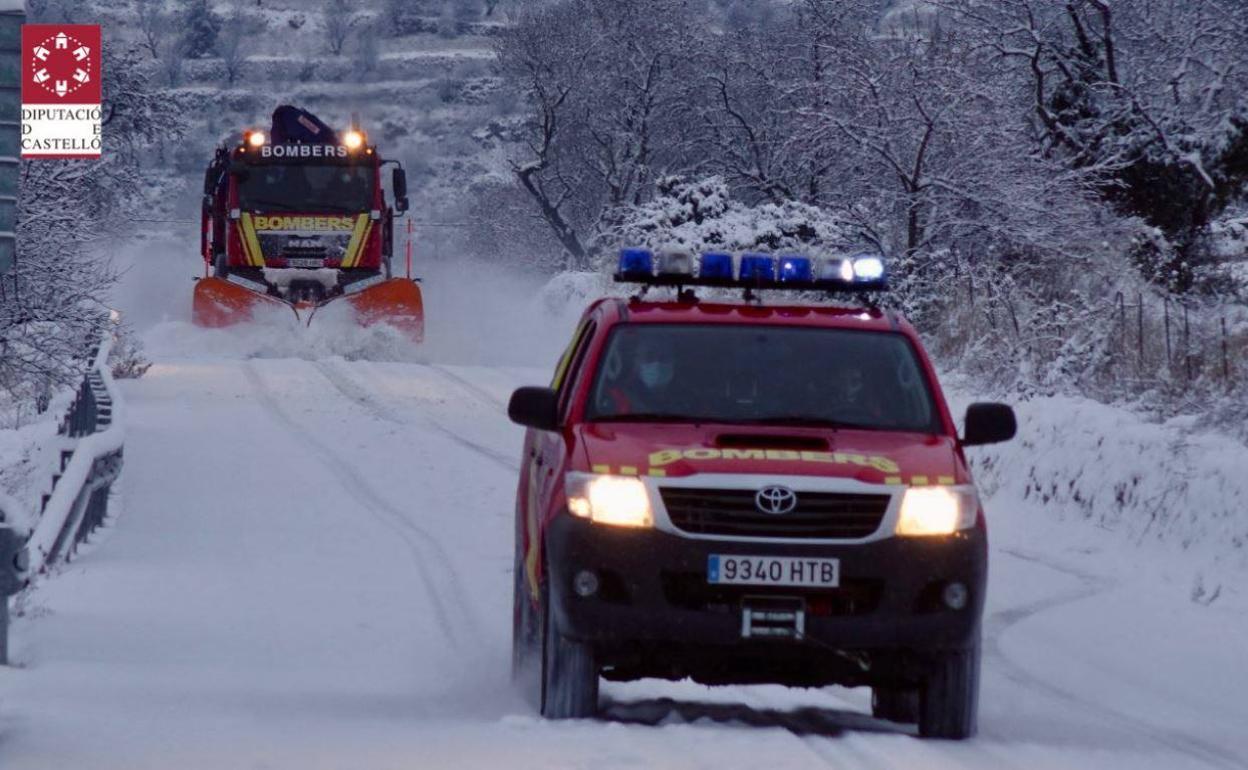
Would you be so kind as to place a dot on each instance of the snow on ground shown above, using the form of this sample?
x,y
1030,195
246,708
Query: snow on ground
x,y
311,569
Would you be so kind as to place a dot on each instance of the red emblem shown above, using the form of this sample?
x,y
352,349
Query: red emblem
x,y
61,64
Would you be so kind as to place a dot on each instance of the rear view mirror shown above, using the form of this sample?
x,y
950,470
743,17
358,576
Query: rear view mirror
x,y
535,408
989,423
398,181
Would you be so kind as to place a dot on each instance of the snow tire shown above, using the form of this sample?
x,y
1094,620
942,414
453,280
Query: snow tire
x,y
569,672
949,701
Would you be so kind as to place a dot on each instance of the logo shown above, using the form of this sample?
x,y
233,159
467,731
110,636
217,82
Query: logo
x,y
303,151
775,500
61,90
303,223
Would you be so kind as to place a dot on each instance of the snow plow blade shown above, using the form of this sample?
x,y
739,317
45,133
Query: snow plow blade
x,y
396,302
219,303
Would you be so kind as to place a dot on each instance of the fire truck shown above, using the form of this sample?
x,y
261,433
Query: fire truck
x,y
297,216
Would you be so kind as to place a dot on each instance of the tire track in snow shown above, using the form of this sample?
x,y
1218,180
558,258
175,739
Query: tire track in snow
x,y
481,393
1090,585
350,388
420,542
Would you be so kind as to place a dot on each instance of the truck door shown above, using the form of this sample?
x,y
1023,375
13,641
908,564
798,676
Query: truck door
x,y
545,459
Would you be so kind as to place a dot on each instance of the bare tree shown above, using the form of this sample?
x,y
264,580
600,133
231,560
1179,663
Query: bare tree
x,y
172,60
339,22
153,24
232,44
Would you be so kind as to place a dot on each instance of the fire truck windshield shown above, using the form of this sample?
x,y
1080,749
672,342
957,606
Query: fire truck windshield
x,y
306,188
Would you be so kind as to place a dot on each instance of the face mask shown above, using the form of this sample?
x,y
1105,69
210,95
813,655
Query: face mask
x,y
655,373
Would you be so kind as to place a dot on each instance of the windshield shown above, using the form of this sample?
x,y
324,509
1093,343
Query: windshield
x,y
306,188
761,374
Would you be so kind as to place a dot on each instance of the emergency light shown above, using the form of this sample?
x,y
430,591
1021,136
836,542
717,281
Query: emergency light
x,y
854,273
636,263
795,269
675,263
757,268
716,265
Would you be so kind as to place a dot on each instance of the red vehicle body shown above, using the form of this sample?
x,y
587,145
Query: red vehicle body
x,y
302,223
891,619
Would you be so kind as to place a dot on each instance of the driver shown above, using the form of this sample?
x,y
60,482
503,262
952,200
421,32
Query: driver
x,y
648,383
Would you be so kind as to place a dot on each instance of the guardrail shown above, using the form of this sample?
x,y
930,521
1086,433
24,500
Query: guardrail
x,y
90,460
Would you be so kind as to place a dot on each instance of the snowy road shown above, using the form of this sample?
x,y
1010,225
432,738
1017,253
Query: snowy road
x,y
312,570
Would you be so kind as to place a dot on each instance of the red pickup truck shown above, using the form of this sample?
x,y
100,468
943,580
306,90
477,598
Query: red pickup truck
x,y
747,492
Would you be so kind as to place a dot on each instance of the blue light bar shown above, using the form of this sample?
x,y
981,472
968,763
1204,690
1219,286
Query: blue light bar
x,y
757,268
795,269
860,273
636,263
716,265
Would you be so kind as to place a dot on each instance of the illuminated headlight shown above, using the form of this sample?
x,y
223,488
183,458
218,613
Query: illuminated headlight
x,y
353,140
937,510
256,138
621,501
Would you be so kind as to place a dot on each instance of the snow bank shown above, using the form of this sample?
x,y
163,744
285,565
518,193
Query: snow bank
x,y
1161,486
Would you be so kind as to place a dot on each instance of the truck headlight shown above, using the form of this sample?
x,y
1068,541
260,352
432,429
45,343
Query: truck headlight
x,y
937,510
621,501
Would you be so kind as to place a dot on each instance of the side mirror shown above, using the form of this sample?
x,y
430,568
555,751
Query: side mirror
x,y
535,408
989,423
398,181
210,179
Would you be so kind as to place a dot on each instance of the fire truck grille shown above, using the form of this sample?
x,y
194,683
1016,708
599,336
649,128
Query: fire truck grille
x,y
818,515
332,246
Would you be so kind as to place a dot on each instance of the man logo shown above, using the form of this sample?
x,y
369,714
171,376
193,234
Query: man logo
x,y
775,500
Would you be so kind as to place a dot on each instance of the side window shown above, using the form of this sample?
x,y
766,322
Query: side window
x,y
574,366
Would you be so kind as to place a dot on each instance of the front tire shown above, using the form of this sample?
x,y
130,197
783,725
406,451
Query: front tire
x,y
525,640
569,672
949,701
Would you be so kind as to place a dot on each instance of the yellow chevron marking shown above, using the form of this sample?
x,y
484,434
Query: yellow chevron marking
x,y
251,245
355,247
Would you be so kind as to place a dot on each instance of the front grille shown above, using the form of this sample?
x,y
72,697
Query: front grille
x,y
322,245
818,515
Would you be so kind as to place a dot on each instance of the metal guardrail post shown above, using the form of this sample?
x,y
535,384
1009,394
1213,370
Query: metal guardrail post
x,y
12,565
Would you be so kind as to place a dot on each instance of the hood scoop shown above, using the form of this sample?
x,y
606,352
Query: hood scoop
x,y
771,441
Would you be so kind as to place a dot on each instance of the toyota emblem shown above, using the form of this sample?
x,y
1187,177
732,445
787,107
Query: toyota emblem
x,y
775,500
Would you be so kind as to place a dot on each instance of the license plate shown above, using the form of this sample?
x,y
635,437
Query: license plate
x,y
725,569
304,262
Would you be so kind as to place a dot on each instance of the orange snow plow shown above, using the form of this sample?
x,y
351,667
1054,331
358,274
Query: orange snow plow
x,y
298,216
396,302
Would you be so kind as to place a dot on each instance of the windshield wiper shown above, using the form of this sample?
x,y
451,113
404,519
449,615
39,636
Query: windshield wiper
x,y
812,421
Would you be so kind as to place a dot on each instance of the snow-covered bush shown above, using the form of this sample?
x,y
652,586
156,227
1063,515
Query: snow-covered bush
x,y
702,215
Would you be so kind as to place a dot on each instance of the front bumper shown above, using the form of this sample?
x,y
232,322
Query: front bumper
x,y
655,615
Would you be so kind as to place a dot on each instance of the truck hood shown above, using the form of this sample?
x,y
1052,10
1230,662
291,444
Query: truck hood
x,y
873,457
